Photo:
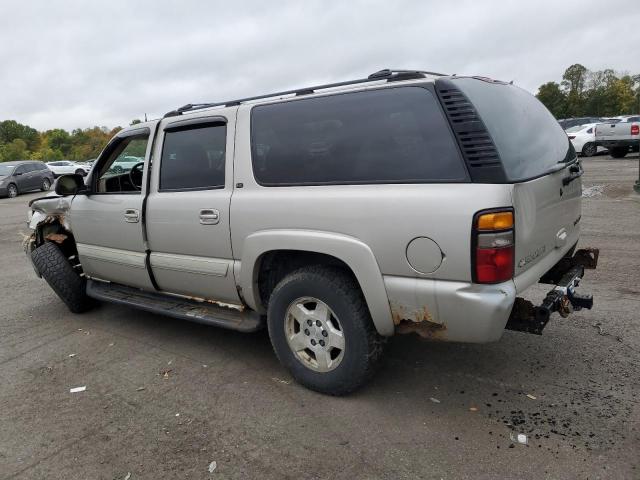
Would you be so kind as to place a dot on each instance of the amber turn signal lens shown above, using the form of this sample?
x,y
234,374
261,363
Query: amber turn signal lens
x,y
495,221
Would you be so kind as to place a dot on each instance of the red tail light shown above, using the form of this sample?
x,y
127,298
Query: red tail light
x,y
494,265
493,246
635,129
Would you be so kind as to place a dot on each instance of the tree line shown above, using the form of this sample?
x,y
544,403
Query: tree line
x,y
582,92
21,142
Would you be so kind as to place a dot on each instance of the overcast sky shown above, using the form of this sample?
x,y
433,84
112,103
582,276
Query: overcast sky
x,y
78,64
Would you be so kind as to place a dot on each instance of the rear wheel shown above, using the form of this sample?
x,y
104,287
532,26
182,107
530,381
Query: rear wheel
x,y
46,185
321,330
589,149
619,152
55,268
12,191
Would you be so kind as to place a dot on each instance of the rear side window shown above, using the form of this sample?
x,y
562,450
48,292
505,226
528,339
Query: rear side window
x,y
528,138
193,158
394,135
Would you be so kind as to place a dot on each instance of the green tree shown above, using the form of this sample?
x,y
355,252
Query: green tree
x,y
553,98
14,150
11,130
573,82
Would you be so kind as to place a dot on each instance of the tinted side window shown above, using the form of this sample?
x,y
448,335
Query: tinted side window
x,y
193,158
394,135
21,169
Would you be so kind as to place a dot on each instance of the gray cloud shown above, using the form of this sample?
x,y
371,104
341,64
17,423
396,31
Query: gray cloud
x,y
79,64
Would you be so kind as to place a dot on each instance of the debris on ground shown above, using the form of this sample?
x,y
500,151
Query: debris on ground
x,y
139,389
594,191
532,397
601,331
77,389
434,400
212,466
71,355
128,476
165,372
520,438
286,382
473,409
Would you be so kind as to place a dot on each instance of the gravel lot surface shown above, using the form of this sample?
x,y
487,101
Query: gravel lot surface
x,y
165,398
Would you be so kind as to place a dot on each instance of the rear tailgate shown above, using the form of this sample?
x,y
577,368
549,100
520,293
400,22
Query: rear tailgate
x,y
547,215
613,131
538,159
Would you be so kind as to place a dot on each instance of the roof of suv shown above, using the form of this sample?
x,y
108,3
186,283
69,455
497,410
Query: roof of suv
x,y
385,76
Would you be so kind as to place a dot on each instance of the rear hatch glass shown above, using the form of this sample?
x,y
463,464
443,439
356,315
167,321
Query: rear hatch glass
x,y
529,140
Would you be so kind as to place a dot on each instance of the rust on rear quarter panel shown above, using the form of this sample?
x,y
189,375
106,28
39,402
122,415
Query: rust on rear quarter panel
x,y
417,320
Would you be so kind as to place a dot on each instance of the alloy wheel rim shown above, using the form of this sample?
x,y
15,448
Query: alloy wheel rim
x,y
314,334
13,191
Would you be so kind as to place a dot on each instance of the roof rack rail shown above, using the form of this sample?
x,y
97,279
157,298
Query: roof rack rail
x,y
386,74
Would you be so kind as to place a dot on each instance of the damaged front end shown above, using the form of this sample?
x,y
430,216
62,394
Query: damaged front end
x,y
48,223
563,298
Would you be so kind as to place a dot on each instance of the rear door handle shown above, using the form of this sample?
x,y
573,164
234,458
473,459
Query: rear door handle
x,y
209,216
131,215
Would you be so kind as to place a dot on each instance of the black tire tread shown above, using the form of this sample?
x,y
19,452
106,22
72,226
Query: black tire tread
x,y
340,281
61,277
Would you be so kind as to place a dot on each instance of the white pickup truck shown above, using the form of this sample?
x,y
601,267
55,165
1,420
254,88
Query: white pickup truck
x,y
619,137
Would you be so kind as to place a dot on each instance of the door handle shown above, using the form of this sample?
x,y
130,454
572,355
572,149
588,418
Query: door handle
x,y
131,215
209,216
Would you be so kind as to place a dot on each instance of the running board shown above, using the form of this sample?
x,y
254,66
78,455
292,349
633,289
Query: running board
x,y
178,307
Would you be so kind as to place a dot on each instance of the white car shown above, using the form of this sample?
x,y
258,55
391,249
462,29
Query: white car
x,y
583,138
63,167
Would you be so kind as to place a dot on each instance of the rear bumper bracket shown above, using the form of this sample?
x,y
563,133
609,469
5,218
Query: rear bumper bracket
x,y
563,298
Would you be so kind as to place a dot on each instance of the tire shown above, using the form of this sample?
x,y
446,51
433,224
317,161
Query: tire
x,y
46,185
362,346
589,149
619,152
80,172
12,190
61,277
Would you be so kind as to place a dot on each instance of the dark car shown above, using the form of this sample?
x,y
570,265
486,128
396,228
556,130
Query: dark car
x,y
566,123
24,176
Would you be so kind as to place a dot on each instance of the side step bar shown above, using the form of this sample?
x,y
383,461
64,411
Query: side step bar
x,y
205,312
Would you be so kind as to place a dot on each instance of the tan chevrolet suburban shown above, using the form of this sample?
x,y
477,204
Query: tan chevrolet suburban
x,y
336,216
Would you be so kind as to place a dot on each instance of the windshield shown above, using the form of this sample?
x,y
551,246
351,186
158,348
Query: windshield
x,y
529,140
6,170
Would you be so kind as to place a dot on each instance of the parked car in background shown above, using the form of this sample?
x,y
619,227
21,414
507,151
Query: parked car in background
x,y
619,137
566,123
63,167
583,138
23,176
125,164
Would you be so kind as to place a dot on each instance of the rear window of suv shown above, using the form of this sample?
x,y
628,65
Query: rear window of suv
x,y
393,135
529,140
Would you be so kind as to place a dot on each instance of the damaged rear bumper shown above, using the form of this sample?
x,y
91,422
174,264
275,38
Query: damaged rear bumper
x,y
562,298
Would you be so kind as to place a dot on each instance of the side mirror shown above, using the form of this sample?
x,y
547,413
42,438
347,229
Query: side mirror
x,y
71,184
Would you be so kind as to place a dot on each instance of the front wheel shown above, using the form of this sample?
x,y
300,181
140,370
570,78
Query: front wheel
x,y
55,268
321,330
589,149
12,191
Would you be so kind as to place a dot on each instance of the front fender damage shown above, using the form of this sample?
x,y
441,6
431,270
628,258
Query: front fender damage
x,y
48,222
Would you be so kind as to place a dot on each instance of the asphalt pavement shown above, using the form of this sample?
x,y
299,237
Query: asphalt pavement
x,y
166,398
